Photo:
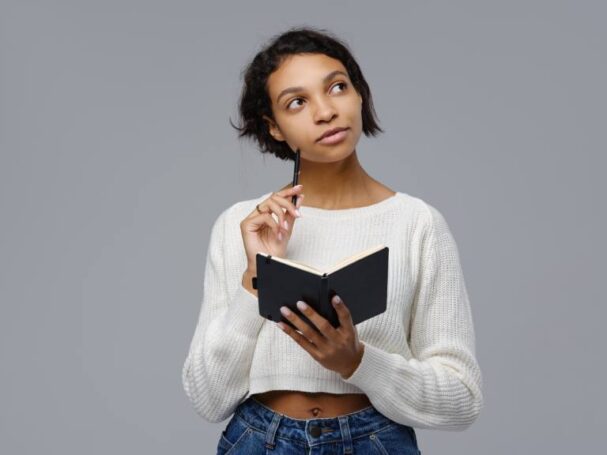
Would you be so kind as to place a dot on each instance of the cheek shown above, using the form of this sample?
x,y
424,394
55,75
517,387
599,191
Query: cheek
x,y
299,134
355,112
356,120
302,130
291,130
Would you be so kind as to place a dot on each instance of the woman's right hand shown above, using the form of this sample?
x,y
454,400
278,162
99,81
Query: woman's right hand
x,y
262,233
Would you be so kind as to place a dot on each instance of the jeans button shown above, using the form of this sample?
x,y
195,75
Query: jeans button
x,y
315,431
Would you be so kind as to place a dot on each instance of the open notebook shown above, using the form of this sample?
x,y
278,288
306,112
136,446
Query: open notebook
x,y
361,280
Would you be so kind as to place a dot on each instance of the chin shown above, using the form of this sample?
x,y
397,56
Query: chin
x,y
332,154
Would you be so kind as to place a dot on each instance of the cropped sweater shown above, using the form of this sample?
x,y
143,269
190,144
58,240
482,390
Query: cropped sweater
x,y
418,367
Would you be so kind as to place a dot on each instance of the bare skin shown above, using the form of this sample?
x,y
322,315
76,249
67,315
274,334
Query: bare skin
x,y
332,179
307,405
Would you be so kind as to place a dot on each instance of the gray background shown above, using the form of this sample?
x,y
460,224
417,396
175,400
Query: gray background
x,y
117,156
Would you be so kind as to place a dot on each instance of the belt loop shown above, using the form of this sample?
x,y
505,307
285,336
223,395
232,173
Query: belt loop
x,y
271,433
345,431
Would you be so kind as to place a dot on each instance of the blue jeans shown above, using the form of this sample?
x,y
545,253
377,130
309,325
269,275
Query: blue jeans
x,y
256,429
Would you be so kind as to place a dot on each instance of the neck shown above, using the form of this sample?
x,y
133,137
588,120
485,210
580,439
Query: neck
x,y
336,184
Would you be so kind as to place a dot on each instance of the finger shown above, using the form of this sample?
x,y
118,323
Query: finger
x,y
343,313
285,193
285,201
290,191
290,219
286,220
308,331
323,325
299,339
260,220
277,210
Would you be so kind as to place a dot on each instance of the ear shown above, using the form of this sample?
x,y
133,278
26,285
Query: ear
x,y
273,129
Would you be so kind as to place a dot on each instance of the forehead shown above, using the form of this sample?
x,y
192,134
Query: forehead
x,y
303,70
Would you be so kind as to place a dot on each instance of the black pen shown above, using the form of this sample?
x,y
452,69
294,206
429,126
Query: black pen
x,y
295,175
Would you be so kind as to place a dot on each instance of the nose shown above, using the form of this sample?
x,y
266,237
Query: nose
x,y
325,111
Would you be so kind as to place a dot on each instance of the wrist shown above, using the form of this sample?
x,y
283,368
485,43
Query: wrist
x,y
247,281
357,362
251,269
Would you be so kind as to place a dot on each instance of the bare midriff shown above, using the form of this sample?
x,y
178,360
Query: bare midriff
x,y
308,405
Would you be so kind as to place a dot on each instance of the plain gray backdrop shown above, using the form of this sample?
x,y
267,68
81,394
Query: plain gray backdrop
x,y
117,156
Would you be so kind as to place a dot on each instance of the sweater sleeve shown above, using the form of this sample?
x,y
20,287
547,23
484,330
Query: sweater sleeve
x,y
440,387
215,375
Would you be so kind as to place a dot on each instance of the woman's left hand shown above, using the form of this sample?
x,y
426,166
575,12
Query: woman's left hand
x,y
337,349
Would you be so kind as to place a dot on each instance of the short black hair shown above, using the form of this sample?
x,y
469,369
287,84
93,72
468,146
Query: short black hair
x,y
255,100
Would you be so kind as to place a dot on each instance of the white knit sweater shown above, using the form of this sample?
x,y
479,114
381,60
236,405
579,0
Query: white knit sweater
x,y
418,368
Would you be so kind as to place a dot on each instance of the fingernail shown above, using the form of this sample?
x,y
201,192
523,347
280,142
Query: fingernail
x,y
336,299
302,305
297,212
298,186
280,236
285,311
285,224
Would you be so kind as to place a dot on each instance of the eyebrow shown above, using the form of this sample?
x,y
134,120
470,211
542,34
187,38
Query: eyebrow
x,y
326,79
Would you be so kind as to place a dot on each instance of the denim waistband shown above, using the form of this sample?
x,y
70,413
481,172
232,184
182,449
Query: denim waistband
x,y
359,423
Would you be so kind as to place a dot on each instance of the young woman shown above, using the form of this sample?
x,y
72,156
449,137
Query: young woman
x,y
351,389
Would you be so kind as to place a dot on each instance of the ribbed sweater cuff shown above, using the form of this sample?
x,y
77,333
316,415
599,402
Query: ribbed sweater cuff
x,y
373,365
244,313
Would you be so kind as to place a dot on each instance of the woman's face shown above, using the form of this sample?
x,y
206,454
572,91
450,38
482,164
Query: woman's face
x,y
311,94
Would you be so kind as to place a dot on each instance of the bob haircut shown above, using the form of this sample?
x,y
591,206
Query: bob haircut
x,y
255,100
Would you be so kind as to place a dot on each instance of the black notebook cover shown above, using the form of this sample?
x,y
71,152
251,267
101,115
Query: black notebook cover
x,y
361,284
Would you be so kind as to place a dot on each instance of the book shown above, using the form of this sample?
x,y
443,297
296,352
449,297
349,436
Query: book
x,y
360,280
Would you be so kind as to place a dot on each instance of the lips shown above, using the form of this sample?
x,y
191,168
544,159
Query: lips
x,y
335,138
330,132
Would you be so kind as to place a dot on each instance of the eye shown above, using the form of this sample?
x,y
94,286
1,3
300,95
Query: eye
x,y
288,105
345,85
340,83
